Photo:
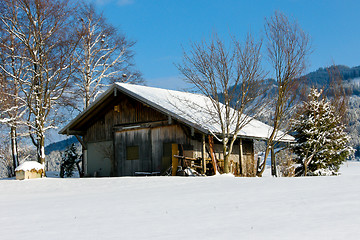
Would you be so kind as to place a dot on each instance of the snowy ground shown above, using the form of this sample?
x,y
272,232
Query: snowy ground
x,y
219,207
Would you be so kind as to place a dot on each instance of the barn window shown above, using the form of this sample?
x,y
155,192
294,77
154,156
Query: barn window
x,y
132,152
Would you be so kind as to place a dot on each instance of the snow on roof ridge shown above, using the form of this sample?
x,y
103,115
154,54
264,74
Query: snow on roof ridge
x,y
158,88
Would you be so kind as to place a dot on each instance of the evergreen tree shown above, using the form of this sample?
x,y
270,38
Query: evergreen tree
x,y
321,140
68,162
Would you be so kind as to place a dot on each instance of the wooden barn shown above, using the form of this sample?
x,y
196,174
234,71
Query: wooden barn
x,y
137,130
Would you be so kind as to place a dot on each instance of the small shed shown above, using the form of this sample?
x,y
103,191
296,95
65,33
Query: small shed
x,y
29,170
133,129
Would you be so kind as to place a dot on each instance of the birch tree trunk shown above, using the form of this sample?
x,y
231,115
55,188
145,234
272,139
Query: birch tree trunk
x,y
44,30
103,55
14,148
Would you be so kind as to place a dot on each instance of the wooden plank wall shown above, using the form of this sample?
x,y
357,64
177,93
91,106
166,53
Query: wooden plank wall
x,y
165,136
151,142
129,111
248,164
131,138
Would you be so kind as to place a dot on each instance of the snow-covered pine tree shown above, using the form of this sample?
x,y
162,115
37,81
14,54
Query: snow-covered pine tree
x,y
321,140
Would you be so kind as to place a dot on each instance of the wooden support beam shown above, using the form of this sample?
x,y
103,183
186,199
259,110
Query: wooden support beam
x,y
73,132
175,161
203,150
186,158
81,142
123,127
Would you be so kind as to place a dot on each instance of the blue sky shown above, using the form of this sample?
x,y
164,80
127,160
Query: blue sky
x,y
162,28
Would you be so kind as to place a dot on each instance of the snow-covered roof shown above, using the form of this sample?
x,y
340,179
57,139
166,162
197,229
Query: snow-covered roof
x,y
195,110
30,165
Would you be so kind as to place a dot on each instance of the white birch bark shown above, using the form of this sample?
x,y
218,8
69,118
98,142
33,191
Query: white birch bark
x,y
43,30
103,56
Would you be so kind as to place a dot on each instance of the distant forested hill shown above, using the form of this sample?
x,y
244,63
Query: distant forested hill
x,y
60,146
351,82
321,77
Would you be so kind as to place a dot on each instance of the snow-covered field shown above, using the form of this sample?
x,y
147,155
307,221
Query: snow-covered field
x,y
219,207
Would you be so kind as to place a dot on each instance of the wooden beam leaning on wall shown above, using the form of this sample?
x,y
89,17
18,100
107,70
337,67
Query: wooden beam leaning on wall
x,y
175,161
203,151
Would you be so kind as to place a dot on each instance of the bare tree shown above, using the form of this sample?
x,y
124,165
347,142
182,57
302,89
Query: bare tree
x,y
11,112
44,29
231,78
338,95
6,165
12,104
103,55
288,47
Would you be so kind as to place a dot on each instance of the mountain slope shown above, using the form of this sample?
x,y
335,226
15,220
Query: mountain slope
x,y
61,145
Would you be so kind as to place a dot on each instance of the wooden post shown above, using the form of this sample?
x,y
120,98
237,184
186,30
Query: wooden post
x,y
175,161
84,162
203,150
241,160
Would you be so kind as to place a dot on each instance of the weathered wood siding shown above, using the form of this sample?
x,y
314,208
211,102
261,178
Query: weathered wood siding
x,y
128,111
161,140
248,163
124,140
153,152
